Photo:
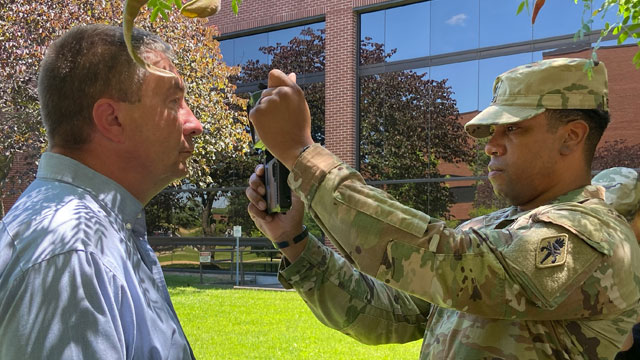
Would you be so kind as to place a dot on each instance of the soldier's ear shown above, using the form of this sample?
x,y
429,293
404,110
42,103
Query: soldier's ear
x,y
573,135
105,118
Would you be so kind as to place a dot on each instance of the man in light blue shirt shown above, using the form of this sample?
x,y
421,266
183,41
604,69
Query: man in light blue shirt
x,y
78,279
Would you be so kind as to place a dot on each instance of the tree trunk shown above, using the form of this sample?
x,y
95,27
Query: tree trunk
x,y
206,214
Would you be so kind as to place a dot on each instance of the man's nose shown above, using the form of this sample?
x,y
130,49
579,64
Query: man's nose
x,y
191,124
494,146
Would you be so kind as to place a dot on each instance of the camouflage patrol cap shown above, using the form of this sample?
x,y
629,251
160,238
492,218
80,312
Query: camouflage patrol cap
x,y
526,91
622,189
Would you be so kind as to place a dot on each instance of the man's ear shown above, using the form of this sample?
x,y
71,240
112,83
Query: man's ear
x,y
574,136
105,117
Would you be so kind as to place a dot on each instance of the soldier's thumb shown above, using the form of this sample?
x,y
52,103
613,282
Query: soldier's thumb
x,y
278,78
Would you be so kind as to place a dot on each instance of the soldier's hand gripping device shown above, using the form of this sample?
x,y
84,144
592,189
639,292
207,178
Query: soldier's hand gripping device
x,y
278,193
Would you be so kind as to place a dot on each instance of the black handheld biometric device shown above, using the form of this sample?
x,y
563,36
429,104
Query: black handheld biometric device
x,y
278,193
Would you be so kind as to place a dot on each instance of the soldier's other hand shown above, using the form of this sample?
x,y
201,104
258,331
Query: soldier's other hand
x,y
280,226
282,118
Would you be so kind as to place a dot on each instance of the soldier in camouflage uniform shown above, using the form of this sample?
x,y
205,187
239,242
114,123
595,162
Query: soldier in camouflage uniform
x,y
623,194
554,276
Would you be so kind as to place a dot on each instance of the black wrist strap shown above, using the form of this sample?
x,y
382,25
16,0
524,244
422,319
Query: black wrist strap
x,y
305,149
296,239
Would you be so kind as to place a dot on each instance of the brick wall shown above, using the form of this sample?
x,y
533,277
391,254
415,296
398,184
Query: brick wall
x,y
624,87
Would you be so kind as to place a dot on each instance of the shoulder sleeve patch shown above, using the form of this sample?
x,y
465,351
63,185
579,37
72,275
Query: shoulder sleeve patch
x,y
552,251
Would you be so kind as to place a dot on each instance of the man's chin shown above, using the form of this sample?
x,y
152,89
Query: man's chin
x,y
501,196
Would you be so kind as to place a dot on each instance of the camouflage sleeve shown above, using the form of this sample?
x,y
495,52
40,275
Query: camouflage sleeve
x,y
503,273
355,304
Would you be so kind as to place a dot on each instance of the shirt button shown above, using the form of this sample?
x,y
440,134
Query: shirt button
x,y
128,226
139,215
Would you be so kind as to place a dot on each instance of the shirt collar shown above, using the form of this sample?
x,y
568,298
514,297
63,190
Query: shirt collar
x,y
581,194
111,194
511,213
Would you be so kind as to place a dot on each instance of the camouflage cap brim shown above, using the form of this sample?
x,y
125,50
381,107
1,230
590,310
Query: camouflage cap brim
x,y
480,125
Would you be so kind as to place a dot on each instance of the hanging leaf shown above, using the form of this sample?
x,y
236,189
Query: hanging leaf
x,y
536,8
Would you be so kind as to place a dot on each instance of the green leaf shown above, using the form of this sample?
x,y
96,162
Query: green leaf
x,y
588,67
259,145
520,8
164,5
623,36
154,14
178,3
234,6
633,27
577,36
164,15
636,60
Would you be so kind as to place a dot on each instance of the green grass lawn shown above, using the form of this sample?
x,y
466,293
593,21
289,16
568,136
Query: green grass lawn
x,y
255,324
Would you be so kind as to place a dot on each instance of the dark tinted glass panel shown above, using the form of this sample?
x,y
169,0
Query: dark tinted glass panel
x,y
463,80
454,25
500,25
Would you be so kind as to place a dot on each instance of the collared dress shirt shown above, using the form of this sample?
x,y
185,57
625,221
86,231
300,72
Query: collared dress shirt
x,y
78,279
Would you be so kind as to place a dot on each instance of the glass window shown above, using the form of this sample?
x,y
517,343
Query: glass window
x,y
489,69
372,26
226,49
239,51
248,48
408,124
403,29
499,23
454,25
463,80
557,18
407,30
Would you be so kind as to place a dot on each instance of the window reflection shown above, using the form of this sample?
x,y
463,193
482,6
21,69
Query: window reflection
x,y
600,19
403,30
407,30
248,48
500,25
239,51
454,25
372,27
463,80
409,109
557,18
226,49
